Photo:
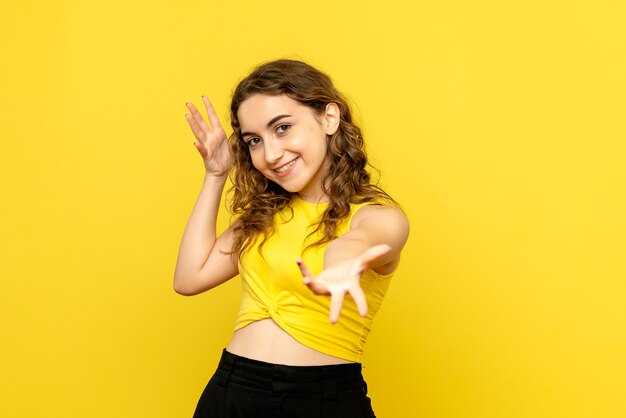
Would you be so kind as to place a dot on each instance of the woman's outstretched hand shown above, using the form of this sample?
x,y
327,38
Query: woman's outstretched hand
x,y
343,278
212,143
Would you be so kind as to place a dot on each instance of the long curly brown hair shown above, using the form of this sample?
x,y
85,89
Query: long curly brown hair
x,y
255,199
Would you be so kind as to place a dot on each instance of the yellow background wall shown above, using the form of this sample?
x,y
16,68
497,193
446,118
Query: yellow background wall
x,y
500,126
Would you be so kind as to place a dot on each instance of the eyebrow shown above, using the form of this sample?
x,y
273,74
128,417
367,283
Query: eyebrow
x,y
270,123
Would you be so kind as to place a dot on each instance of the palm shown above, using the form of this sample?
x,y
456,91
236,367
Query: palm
x,y
212,143
342,279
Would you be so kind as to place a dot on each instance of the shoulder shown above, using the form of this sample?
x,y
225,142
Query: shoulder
x,y
375,212
381,224
388,223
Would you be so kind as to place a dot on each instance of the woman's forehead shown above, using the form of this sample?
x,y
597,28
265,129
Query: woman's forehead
x,y
257,110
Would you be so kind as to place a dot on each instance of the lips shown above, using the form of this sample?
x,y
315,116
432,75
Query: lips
x,y
285,169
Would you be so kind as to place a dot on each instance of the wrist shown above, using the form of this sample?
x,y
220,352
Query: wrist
x,y
215,178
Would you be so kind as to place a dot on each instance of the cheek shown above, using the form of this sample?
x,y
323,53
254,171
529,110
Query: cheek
x,y
258,161
318,141
321,147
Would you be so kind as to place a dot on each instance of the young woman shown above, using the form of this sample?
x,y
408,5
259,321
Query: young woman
x,y
309,228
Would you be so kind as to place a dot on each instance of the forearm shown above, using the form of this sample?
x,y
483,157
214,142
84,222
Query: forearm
x,y
372,226
200,233
342,249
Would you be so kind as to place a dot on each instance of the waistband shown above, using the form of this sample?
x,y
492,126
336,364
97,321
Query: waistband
x,y
282,378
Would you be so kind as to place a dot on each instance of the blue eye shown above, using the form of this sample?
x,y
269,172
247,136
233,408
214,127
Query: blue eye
x,y
281,129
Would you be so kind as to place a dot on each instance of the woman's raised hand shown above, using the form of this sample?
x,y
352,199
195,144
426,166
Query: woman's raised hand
x,y
212,143
343,278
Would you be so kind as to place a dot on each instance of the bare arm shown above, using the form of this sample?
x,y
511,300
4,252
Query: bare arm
x,y
371,225
376,237
202,263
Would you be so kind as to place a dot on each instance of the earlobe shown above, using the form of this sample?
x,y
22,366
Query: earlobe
x,y
332,116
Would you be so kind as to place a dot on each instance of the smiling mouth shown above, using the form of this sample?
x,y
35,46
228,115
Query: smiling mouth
x,y
283,168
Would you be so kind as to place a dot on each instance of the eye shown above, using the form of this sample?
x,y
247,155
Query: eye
x,y
252,142
281,129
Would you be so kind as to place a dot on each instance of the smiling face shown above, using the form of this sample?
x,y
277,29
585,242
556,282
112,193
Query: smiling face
x,y
287,141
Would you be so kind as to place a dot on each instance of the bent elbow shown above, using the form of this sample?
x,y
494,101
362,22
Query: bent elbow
x,y
183,288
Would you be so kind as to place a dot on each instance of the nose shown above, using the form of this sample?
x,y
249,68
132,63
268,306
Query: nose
x,y
273,150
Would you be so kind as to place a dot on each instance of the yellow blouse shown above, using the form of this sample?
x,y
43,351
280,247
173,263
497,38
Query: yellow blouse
x,y
273,288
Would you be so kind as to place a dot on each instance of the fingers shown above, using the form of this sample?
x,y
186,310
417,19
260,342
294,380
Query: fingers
x,y
308,279
215,121
306,273
359,298
202,149
198,124
338,291
317,287
336,302
195,128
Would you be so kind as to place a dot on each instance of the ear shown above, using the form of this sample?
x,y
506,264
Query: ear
x,y
331,118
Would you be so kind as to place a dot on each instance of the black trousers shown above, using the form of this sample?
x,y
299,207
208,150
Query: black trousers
x,y
245,388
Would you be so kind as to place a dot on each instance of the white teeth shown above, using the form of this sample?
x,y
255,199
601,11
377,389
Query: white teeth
x,y
285,167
